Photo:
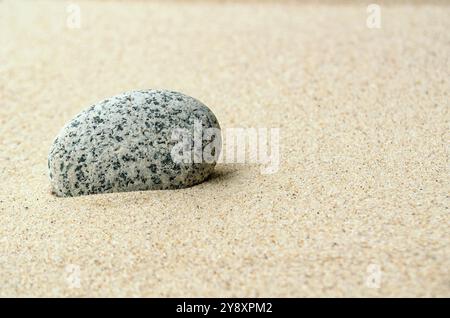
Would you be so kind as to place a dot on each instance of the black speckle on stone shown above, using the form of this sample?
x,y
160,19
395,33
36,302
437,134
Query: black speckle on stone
x,y
98,120
167,160
156,180
123,175
152,168
158,127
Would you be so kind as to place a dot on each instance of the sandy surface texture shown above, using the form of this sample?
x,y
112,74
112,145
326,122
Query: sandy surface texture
x,y
359,206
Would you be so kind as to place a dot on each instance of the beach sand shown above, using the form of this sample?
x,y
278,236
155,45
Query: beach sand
x,y
359,206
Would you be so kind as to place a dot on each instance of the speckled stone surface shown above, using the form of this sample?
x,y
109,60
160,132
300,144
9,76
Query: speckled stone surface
x,y
124,143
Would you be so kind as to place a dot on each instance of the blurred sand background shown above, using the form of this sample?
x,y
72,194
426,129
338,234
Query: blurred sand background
x,y
363,183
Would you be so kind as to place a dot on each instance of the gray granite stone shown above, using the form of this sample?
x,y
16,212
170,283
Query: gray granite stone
x,y
134,141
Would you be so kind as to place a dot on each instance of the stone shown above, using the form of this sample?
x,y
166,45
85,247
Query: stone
x,y
139,140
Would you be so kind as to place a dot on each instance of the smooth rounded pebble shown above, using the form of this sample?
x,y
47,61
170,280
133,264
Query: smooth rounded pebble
x,y
139,140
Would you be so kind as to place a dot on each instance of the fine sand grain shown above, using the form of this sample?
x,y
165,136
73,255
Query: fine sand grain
x,y
359,206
